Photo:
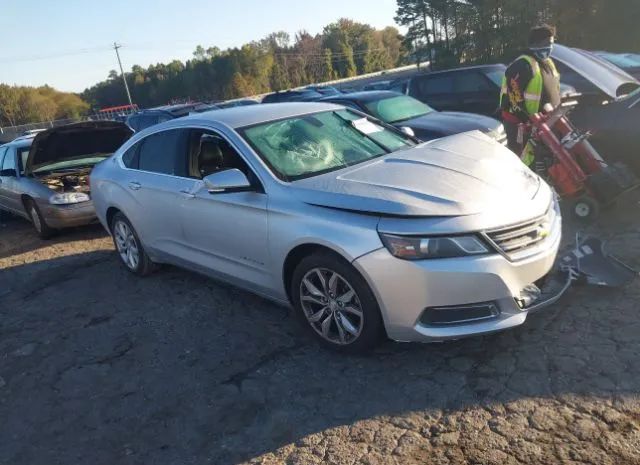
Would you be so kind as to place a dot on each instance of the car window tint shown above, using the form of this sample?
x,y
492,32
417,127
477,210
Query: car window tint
x,y
161,153
130,157
23,154
471,82
436,85
3,150
9,162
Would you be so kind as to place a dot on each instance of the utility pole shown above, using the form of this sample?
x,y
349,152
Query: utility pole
x,y
124,78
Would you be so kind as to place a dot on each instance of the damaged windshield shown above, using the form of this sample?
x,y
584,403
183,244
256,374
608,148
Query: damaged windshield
x,y
309,145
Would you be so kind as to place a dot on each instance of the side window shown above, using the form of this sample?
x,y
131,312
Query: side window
x,y
164,153
9,162
210,153
130,157
436,85
3,150
471,82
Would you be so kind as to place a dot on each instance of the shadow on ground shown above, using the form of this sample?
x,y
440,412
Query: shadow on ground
x,y
100,366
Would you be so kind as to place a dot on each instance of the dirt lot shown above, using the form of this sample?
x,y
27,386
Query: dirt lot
x,y
99,367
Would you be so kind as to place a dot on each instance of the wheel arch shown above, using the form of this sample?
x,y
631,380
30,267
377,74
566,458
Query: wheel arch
x,y
299,252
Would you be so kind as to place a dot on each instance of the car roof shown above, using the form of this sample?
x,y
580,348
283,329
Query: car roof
x,y
237,117
364,95
466,68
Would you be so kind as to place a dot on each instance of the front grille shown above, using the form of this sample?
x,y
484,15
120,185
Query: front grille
x,y
522,240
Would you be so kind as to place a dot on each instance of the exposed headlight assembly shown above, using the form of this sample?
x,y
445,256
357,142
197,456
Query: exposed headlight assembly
x,y
68,198
423,248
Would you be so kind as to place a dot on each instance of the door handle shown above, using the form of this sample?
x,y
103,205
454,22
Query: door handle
x,y
187,194
135,185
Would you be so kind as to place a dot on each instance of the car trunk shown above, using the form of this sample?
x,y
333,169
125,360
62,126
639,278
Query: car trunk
x,y
62,158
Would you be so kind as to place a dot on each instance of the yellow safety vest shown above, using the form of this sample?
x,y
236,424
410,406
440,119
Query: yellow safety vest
x,y
533,92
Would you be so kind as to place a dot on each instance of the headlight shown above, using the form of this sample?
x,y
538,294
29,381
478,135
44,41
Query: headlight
x,y
68,198
421,248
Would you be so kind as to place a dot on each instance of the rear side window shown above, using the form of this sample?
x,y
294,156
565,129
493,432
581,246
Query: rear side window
x,y
471,82
130,157
9,162
3,150
163,152
436,85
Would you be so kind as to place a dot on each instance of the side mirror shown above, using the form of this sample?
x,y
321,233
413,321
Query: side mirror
x,y
226,181
9,173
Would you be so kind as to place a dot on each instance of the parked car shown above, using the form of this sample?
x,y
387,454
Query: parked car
x,y
609,106
423,121
152,116
236,103
378,85
45,177
596,79
628,62
473,89
364,232
292,96
324,90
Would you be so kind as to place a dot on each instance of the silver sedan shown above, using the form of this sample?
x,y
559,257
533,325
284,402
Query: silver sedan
x,y
364,231
44,177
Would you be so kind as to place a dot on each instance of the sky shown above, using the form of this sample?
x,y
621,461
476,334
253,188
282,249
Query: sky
x,y
68,44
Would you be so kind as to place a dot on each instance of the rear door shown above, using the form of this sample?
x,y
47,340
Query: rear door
x,y
157,180
436,90
477,93
3,202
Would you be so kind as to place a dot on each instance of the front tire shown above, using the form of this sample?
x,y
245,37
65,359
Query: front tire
x,y
129,248
39,223
334,302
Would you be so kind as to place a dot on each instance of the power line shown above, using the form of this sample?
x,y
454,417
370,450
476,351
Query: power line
x,y
82,51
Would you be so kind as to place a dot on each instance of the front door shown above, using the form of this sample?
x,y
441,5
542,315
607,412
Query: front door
x,y
226,232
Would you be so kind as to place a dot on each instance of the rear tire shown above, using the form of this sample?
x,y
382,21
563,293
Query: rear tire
x,y
334,302
129,248
39,223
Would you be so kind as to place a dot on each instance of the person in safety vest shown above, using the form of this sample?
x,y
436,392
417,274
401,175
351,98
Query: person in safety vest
x,y
530,83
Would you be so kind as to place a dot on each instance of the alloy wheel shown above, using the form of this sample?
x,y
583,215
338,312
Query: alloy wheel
x,y
126,245
331,306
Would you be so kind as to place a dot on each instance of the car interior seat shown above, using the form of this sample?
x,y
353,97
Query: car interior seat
x,y
210,157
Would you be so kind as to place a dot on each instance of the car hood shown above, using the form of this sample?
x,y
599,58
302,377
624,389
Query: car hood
x,y
75,141
612,80
450,122
465,174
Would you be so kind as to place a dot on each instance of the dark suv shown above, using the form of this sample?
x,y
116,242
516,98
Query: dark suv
x,y
473,90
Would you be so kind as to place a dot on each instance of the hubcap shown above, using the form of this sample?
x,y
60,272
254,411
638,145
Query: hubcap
x,y
126,245
36,219
331,306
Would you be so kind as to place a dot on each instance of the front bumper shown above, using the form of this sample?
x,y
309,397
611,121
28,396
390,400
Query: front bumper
x,y
68,216
406,289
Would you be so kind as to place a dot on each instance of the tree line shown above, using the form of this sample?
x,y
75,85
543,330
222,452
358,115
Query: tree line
x,y
343,49
450,32
22,105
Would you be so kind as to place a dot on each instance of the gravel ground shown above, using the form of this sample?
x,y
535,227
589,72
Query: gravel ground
x,y
100,367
